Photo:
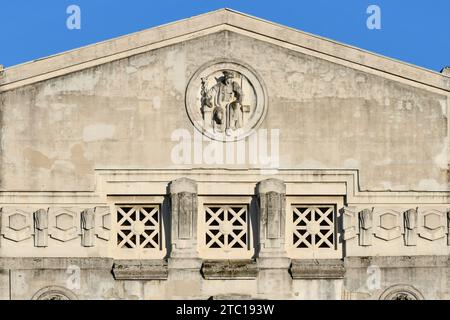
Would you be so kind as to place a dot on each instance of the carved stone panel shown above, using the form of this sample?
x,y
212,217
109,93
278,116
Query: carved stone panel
x,y
433,223
183,196
186,207
139,227
388,223
64,223
272,203
16,224
314,227
226,227
40,228
410,223
365,218
103,222
350,223
87,227
226,101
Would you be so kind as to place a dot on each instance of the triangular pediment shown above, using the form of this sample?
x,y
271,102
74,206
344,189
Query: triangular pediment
x,y
212,22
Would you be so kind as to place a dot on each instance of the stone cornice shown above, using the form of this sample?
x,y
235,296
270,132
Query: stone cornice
x,y
142,182
224,19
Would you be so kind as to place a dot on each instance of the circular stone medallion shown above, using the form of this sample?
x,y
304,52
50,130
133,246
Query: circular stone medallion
x,y
226,101
401,292
54,293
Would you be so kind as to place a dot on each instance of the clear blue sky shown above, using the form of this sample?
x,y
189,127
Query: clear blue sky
x,y
413,31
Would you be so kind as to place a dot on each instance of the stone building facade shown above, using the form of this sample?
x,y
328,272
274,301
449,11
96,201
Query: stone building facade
x,y
224,156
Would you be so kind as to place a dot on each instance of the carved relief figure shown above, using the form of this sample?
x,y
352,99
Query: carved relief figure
x,y
225,99
401,292
403,296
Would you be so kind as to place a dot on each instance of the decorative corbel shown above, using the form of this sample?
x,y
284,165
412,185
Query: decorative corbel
x,y
410,223
40,228
87,227
272,203
365,227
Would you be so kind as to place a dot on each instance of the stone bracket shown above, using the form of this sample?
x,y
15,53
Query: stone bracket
x,y
140,270
317,269
229,269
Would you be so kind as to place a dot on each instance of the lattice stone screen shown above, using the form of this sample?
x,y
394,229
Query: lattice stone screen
x,y
138,230
313,226
226,231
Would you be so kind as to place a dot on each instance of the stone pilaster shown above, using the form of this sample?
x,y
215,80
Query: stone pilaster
x,y
184,211
273,263
184,261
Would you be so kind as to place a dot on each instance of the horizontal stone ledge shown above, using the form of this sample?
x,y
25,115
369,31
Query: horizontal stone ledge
x,y
54,263
229,269
317,269
140,270
425,261
231,297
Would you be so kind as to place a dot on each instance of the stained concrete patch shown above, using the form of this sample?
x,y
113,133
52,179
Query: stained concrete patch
x,y
79,160
176,63
38,159
98,132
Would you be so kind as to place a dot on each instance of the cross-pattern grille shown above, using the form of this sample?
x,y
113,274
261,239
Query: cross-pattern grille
x,y
226,227
313,226
138,226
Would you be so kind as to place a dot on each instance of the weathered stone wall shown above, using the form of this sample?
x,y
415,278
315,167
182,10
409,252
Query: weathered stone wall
x,y
361,167
365,278
122,115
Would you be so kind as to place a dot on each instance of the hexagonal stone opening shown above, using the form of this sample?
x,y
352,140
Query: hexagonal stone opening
x,y
17,221
432,221
388,221
64,221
